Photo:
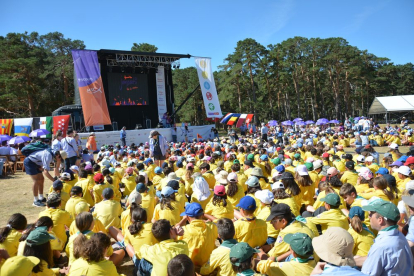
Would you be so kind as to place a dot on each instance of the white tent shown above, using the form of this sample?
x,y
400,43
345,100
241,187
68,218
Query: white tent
x,y
392,104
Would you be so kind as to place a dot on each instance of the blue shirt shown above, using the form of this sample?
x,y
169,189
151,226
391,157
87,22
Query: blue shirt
x,y
42,158
123,133
341,270
410,235
389,255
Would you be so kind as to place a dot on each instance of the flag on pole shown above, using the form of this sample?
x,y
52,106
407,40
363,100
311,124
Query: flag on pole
x,y
233,119
199,136
226,118
241,120
6,126
62,123
43,123
23,127
249,118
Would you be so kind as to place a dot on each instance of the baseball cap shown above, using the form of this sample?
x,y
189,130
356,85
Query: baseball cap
x,y
88,167
57,185
286,175
265,196
350,165
348,156
275,161
247,203
309,166
174,184
393,146
357,211
365,173
280,209
397,163
332,199
108,193
300,243
129,170
232,177
264,157
242,251
409,200
409,161
325,155
288,161
193,210
392,182
135,197
332,171
317,164
302,170
167,191
403,158
253,181
249,163
409,185
148,160
278,185
38,236
296,155
280,168
74,168
250,157
53,198
369,159
189,166
99,178
385,208
382,171
404,170
63,154
19,265
158,170
361,158
206,158
141,188
220,190
76,190
335,246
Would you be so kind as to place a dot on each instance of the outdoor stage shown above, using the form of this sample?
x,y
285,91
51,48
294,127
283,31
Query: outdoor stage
x,y
141,135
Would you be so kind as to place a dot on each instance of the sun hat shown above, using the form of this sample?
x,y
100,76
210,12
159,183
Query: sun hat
x,y
278,185
256,171
265,196
173,176
39,236
220,190
302,170
19,265
385,208
280,209
253,182
404,170
332,199
242,251
365,173
247,203
382,171
63,154
221,177
201,190
300,243
335,246
193,210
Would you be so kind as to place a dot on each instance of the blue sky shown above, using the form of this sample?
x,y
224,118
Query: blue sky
x,y
212,28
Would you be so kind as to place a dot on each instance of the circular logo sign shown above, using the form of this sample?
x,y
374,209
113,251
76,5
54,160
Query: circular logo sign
x,y
204,74
211,106
202,63
206,85
209,96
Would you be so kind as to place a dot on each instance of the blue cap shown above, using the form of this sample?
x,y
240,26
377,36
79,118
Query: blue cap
x,y
253,181
357,211
158,170
403,158
247,203
193,210
167,191
300,145
141,188
179,163
383,171
264,157
280,168
147,161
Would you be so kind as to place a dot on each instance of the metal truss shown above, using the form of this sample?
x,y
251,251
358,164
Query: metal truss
x,y
128,60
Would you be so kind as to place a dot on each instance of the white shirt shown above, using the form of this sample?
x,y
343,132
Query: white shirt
x,y
56,145
69,145
264,130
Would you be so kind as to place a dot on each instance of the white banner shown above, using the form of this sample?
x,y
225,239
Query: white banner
x,y
161,97
141,135
208,87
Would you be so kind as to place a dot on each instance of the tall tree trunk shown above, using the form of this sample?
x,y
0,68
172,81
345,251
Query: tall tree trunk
x,y
253,93
239,94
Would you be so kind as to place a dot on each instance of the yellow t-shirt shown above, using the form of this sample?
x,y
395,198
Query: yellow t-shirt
x,y
97,191
209,177
82,267
173,216
263,215
108,212
350,177
60,219
254,232
330,218
292,204
71,204
87,189
130,184
11,244
293,267
219,211
220,261
362,241
144,236
97,227
204,202
235,199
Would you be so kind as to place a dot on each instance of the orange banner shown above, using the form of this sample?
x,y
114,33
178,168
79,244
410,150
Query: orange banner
x,y
6,126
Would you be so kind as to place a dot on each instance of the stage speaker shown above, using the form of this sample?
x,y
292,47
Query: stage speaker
x,y
115,126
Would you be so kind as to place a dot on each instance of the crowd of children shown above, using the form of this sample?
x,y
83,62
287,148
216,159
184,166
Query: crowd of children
x,y
245,208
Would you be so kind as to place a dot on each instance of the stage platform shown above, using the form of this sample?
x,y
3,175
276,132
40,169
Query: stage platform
x,y
141,135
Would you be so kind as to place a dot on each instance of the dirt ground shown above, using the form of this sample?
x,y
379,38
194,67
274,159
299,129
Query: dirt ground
x,y
17,197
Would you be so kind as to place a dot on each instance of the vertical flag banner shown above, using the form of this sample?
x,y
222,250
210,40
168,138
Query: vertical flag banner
x,y
43,123
208,87
95,109
249,118
226,118
161,98
23,127
241,120
62,123
6,126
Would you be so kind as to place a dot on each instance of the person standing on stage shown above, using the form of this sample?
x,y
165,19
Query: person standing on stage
x,y
158,147
123,136
70,146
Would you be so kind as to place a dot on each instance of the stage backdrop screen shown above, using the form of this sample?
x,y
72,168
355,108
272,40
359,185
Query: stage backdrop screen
x,y
128,89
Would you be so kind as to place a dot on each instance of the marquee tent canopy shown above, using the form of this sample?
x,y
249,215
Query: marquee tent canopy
x,y
392,104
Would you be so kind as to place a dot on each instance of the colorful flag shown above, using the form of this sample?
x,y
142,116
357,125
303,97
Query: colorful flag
x,y
43,123
88,74
226,118
6,126
62,123
199,136
233,119
249,118
23,127
241,120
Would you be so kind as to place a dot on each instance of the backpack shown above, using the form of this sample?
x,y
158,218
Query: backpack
x,y
33,147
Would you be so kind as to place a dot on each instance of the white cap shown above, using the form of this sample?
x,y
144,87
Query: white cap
x,y
310,159
317,164
278,185
74,168
361,158
190,159
302,170
404,170
393,146
409,185
264,196
369,159
288,161
232,176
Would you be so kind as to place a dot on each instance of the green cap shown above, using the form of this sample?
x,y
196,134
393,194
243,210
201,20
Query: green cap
x,y
242,251
385,208
39,236
236,161
300,243
309,166
332,199
250,157
275,161
297,155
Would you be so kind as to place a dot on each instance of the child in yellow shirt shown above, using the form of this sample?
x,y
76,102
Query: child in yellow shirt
x,y
11,233
363,237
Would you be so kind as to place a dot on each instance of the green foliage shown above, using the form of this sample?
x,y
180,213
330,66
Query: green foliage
x,y
144,47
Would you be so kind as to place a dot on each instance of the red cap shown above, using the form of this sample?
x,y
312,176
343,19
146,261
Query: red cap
x,y
99,178
278,149
220,190
409,161
325,155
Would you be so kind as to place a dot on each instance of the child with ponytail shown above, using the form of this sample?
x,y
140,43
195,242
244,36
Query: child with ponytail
x,y
363,237
11,233
380,190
